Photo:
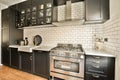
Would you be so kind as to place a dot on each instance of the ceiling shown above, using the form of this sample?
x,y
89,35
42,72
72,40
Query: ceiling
x,y
10,2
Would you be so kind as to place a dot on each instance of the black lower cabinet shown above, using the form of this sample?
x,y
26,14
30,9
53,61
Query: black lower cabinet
x,y
41,63
15,61
95,77
99,68
26,61
5,56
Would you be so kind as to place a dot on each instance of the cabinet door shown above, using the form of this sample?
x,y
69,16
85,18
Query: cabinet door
x,y
34,9
40,12
5,56
28,15
105,9
26,61
16,15
14,57
5,28
22,13
5,37
41,63
14,33
25,13
93,10
48,12
97,64
102,67
95,77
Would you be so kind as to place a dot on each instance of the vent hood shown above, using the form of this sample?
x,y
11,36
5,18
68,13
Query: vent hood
x,y
69,14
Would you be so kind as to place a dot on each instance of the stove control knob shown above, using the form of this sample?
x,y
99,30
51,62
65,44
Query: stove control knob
x,y
81,56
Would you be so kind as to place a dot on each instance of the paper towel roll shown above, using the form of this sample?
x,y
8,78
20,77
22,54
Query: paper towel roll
x,y
98,45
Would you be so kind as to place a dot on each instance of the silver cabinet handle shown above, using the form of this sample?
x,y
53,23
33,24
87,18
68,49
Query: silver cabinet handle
x,y
95,76
96,66
31,58
98,62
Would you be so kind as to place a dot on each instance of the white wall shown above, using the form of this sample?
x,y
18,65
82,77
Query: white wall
x,y
114,7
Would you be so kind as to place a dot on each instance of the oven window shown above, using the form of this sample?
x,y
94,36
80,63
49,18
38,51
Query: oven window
x,y
66,65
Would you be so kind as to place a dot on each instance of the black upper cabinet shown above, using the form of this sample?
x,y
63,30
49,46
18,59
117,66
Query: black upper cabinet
x,y
48,12
34,12
28,13
24,9
59,2
63,2
17,15
97,11
10,34
38,12
41,12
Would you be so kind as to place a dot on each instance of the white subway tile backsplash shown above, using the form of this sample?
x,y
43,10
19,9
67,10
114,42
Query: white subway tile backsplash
x,y
68,34
111,31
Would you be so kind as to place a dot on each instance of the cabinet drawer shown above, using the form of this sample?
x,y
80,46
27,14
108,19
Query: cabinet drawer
x,y
96,64
95,77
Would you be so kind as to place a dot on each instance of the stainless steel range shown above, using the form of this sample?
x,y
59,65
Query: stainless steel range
x,y
67,62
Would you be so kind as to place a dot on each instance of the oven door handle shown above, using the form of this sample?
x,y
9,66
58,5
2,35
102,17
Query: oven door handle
x,y
66,59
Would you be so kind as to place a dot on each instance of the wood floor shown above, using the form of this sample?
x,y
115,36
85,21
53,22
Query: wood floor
x,y
7,73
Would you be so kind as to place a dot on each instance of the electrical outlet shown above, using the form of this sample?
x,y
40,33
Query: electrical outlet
x,y
106,39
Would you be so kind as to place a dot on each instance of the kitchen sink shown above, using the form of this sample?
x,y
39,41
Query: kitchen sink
x,y
26,48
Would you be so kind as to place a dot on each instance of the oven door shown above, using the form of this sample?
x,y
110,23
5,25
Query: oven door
x,y
67,66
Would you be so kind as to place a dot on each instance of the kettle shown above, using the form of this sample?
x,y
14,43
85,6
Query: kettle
x,y
22,43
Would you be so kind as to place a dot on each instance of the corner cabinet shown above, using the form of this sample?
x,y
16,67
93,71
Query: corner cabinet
x,y
99,68
10,35
96,11
41,63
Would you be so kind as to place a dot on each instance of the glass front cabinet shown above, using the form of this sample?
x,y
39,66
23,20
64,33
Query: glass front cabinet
x,y
34,12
